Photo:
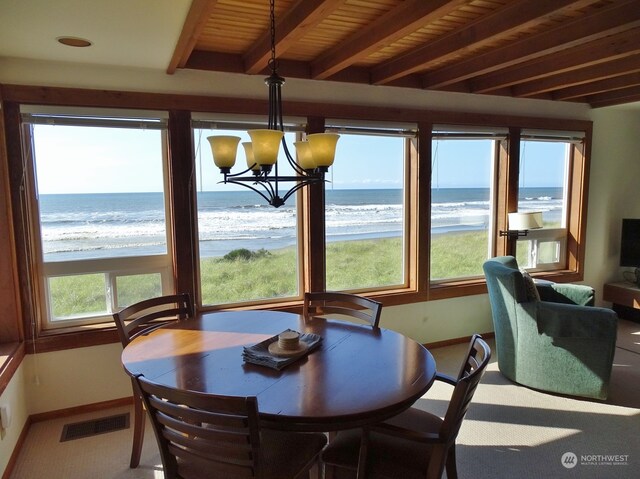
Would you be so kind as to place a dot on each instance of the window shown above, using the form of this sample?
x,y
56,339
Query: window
x,y
118,218
98,212
365,216
461,207
248,249
544,186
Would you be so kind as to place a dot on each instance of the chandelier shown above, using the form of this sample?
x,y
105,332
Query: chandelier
x,y
314,156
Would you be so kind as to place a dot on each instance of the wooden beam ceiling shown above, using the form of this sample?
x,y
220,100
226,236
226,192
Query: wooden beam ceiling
x,y
563,50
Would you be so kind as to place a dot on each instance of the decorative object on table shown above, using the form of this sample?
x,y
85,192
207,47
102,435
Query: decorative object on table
x,y
559,343
288,344
142,318
281,350
315,155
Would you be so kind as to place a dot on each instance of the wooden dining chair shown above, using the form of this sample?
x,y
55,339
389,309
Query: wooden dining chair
x,y
344,304
415,444
203,435
142,318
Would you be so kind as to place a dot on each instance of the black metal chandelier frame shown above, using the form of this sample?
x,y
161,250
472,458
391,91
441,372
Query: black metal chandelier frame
x,y
267,176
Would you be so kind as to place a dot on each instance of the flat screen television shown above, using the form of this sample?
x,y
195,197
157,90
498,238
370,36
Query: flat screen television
x,y
630,243
630,248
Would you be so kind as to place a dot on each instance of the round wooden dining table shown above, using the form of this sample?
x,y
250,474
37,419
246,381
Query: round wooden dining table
x,y
358,375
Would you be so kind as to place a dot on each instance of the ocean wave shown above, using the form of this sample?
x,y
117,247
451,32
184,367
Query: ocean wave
x,y
223,226
539,198
95,231
79,247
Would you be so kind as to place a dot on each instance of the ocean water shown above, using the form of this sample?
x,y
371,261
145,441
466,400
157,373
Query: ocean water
x,y
82,226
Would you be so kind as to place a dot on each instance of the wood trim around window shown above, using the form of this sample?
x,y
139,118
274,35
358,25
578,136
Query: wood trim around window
x,y
180,107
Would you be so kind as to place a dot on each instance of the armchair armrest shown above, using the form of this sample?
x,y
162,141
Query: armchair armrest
x,y
571,321
567,293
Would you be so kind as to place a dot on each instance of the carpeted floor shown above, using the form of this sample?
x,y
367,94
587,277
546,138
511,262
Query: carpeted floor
x,y
509,432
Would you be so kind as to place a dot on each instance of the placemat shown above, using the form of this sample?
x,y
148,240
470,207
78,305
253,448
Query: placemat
x,y
259,353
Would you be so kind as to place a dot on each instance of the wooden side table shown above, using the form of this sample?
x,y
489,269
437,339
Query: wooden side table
x,y
625,297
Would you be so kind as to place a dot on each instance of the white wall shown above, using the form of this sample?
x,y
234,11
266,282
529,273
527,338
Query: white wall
x,y
15,397
81,376
74,377
613,191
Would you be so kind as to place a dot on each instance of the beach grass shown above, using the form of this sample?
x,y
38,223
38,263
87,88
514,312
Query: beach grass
x,y
356,264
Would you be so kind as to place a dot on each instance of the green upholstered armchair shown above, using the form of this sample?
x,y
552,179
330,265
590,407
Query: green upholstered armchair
x,y
549,337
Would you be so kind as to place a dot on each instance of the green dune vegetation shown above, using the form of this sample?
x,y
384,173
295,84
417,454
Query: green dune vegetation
x,y
249,275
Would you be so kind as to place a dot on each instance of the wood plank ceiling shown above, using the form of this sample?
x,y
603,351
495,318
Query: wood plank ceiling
x,y
566,50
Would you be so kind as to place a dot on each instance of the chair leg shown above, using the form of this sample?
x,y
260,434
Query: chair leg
x,y
329,471
138,431
452,470
315,472
437,461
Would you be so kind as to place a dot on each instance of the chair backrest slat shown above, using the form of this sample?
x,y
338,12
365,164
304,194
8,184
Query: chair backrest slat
x,y
202,435
145,316
343,304
473,368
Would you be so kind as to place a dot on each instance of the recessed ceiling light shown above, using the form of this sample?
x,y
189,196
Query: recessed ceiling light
x,y
74,42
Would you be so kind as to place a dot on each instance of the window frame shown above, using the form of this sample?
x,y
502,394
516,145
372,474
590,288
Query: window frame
x,y
180,108
572,142
244,122
472,133
112,267
409,132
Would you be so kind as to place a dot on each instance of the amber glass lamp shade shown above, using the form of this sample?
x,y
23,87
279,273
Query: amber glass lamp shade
x,y
323,148
304,155
224,150
248,151
266,144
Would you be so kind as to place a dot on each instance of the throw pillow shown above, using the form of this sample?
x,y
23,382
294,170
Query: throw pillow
x,y
530,286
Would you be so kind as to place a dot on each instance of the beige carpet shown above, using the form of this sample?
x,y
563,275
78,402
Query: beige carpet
x,y
509,432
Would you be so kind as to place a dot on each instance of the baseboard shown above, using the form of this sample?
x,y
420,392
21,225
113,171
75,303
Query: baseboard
x,y
72,411
45,416
16,450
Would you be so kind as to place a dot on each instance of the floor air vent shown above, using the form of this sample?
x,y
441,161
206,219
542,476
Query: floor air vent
x,y
94,427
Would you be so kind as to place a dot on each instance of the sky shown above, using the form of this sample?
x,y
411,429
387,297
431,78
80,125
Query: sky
x,y
107,160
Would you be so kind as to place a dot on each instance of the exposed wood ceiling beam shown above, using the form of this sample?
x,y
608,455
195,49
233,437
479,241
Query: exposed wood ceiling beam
x,y
403,20
565,50
305,15
616,97
601,86
599,51
589,74
499,23
601,23
194,24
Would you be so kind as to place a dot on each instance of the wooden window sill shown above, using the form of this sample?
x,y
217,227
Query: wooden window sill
x,y
11,355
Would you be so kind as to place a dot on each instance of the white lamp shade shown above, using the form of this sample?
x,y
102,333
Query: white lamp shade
x,y
305,157
266,144
248,151
323,147
224,149
525,221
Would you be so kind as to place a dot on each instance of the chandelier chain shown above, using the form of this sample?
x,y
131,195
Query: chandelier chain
x,y
272,19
